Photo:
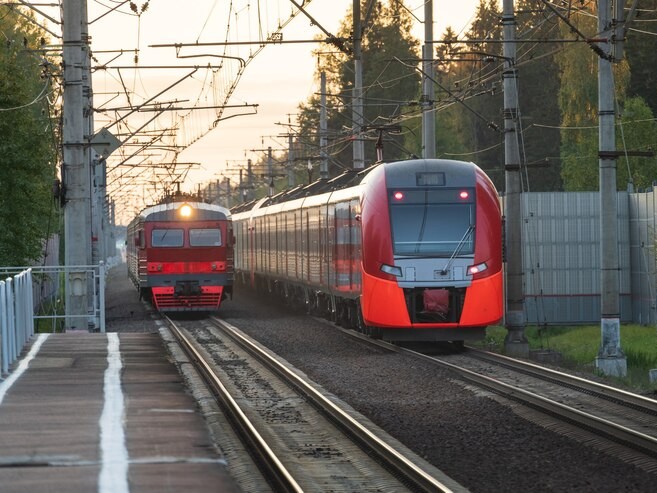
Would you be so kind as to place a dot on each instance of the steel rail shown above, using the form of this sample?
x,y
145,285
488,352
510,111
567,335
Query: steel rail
x,y
608,429
599,390
391,458
260,450
615,432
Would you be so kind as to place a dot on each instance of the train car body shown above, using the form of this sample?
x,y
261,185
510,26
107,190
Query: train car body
x,y
180,255
411,252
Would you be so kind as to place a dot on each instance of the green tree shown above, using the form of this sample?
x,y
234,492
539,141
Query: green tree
x,y
27,143
637,130
538,76
481,89
641,54
387,86
578,101
471,75
451,141
468,95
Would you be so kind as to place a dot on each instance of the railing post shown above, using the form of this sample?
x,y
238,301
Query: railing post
x,y
19,312
101,294
29,305
11,321
4,345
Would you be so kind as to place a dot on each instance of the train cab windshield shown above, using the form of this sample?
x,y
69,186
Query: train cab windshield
x,y
171,238
175,238
429,222
204,237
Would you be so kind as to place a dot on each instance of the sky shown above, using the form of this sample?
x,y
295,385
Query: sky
x,y
277,79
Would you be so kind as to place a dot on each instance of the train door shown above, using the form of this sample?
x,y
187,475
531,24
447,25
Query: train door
x,y
297,244
269,246
355,245
277,249
306,246
322,239
250,234
314,231
342,245
330,245
257,244
289,244
260,246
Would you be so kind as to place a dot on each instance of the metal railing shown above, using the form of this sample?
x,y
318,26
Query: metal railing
x,y
16,317
27,289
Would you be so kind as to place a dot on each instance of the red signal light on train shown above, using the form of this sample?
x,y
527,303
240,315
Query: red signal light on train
x,y
476,269
464,194
398,195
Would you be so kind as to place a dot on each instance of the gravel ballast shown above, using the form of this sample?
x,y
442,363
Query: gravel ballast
x,y
466,433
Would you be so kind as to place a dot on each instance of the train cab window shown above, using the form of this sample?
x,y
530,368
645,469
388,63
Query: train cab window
x,y
204,237
167,238
432,224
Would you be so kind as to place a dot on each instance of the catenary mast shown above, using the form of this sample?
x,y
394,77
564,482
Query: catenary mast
x,y
75,168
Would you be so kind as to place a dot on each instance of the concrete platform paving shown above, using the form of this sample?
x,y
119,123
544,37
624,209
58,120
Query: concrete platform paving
x,y
107,413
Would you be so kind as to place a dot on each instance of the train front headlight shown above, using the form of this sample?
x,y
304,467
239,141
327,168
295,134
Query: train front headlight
x,y
393,270
185,211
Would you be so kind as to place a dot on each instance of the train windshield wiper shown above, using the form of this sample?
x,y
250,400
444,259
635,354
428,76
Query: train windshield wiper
x,y
458,249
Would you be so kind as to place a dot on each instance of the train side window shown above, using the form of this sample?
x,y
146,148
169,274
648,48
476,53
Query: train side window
x,y
204,237
167,238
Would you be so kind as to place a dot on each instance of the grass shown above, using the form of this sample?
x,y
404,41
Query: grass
x,y
53,308
50,309
579,347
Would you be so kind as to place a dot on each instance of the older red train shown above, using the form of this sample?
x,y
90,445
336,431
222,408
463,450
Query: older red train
x,y
408,251
180,255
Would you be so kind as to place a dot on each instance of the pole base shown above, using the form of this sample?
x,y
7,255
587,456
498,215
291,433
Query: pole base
x,y
614,366
516,344
611,360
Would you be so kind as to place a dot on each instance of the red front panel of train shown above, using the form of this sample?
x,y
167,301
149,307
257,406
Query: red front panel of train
x,y
189,264
167,299
432,252
384,304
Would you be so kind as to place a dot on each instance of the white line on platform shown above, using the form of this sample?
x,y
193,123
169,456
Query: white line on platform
x,y
22,366
114,454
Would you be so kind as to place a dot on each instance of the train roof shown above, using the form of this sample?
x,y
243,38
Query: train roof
x,y
347,179
460,172
166,211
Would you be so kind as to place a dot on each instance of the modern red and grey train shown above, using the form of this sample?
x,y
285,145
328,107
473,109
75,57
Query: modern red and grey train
x,y
180,255
408,251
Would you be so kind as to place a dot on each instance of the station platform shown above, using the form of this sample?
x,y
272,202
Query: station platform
x,y
87,412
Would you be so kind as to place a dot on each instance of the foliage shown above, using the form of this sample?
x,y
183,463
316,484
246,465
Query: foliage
x,y
451,134
578,98
578,103
539,81
641,54
557,94
27,149
481,86
469,118
387,86
579,347
637,130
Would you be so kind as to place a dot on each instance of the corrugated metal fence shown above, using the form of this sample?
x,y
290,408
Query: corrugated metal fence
x,y
561,249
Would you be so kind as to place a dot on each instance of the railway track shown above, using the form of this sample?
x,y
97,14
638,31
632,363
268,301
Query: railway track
x,y
300,439
623,423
